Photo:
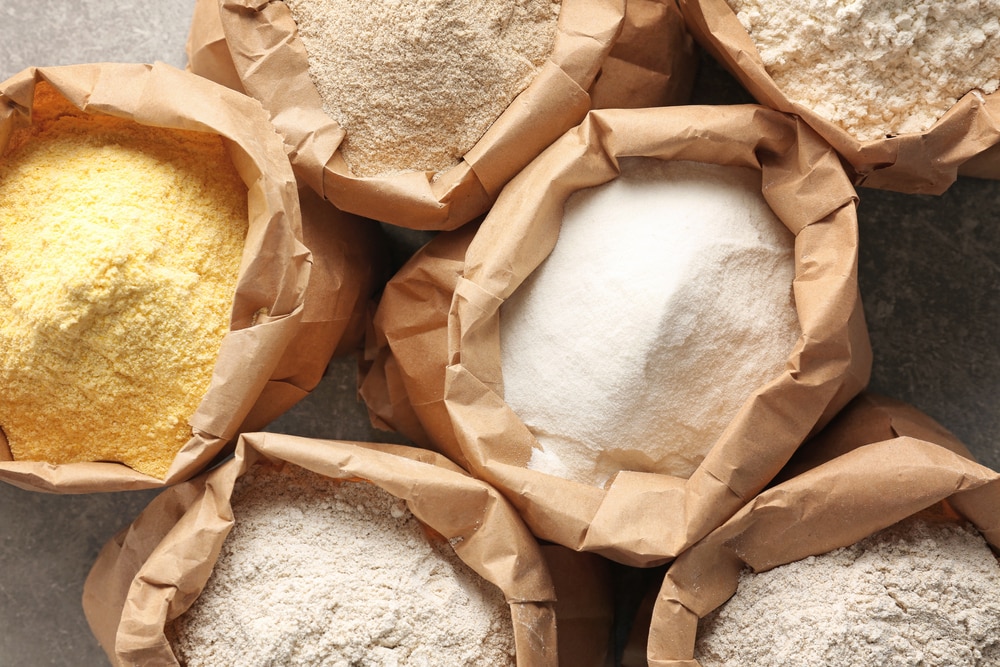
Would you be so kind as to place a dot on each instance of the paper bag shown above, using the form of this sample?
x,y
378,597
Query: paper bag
x,y
852,488
152,572
266,362
920,162
273,67
437,376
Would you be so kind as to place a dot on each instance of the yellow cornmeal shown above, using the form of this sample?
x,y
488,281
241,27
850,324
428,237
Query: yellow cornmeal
x,y
119,250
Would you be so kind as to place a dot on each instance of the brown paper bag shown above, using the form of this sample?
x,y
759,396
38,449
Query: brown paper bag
x,y
652,62
273,68
920,162
313,303
442,372
854,490
152,572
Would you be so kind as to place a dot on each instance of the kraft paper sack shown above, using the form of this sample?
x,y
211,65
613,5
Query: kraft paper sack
x,y
848,484
434,368
151,572
292,308
604,54
963,141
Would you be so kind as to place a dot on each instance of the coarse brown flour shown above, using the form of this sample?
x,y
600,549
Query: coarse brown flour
x,y
920,593
416,83
666,301
876,67
320,572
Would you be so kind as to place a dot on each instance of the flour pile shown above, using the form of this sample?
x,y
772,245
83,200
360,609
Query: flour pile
x,y
876,67
337,573
666,301
921,593
416,84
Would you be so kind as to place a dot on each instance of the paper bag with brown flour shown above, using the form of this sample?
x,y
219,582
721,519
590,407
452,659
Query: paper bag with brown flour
x,y
926,161
866,419
440,188
443,373
847,491
652,62
290,309
152,572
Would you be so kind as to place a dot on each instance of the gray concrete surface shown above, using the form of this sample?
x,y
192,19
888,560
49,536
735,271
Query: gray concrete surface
x,y
930,276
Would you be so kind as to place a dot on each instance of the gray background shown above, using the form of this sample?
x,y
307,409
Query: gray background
x,y
930,279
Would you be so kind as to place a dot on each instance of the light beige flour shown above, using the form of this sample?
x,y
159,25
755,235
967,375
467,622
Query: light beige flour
x,y
876,67
417,83
665,303
319,572
918,594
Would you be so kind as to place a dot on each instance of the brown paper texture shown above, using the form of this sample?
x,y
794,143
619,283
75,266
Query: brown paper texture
x,y
206,48
584,606
652,63
273,67
858,489
265,363
920,162
402,384
151,572
640,518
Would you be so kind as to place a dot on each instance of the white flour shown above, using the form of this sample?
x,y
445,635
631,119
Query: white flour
x,y
317,572
876,67
919,594
666,301
416,83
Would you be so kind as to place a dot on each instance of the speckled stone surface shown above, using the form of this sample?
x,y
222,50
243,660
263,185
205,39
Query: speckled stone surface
x,y
929,272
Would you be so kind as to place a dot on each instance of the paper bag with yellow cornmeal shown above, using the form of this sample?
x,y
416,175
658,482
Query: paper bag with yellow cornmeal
x,y
158,292
868,124
152,572
872,468
396,115
438,375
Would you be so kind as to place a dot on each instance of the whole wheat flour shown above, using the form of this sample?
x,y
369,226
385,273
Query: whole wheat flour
x,y
920,593
666,301
320,572
416,84
876,67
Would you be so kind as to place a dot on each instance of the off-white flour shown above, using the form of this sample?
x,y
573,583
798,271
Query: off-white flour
x,y
918,594
876,67
417,83
666,301
317,572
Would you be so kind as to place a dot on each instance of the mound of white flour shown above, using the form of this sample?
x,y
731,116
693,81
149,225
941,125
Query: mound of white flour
x,y
876,67
666,301
919,593
316,572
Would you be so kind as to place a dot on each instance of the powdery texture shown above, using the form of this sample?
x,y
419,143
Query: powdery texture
x,y
323,573
417,83
918,594
666,301
120,247
876,67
